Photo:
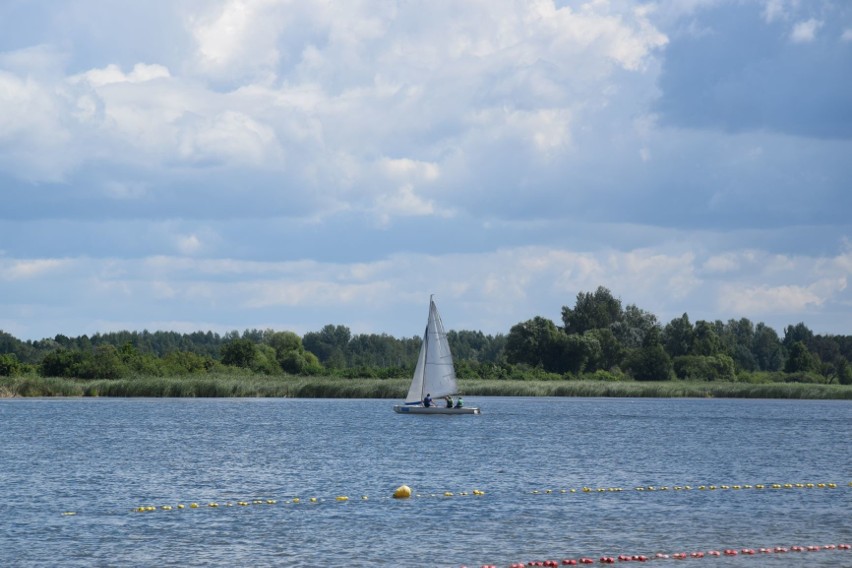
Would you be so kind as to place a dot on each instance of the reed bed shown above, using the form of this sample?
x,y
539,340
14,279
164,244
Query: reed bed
x,y
248,385
654,389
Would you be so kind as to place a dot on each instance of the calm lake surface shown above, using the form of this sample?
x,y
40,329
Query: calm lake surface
x,y
103,458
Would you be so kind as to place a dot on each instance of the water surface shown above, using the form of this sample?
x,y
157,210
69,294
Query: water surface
x,y
101,459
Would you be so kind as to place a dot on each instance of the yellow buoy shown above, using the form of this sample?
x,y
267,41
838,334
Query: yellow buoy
x,y
342,498
402,492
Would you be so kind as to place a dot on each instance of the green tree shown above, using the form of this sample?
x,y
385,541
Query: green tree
x,y
239,353
187,363
704,368
767,350
291,355
800,359
329,345
705,341
284,341
610,353
649,363
593,310
536,342
678,336
105,363
796,333
301,363
843,372
737,338
635,326
61,363
577,353
9,365
266,361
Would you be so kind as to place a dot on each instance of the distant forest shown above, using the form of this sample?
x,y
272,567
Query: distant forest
x,y
598,339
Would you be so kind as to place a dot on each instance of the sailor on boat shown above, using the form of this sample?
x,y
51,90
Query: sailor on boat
x,y
427,402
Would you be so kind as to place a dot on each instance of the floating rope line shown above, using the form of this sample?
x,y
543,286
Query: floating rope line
x,y
291,501
757,486
675,555
405,492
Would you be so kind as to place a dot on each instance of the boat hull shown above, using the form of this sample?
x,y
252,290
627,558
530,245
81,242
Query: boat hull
x,y
402,409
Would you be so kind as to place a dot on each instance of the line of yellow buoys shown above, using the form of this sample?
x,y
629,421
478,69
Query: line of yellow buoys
x,y
405,492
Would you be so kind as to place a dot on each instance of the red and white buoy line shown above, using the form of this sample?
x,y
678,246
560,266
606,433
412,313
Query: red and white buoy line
x,y
675,556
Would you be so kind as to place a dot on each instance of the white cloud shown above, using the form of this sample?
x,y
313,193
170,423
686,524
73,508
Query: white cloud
x,y
406,169
189,244
113,74
521,138
35,138
317,91
489,291
775,10
789,299
238,36
231,136
402,202
805,32
31,269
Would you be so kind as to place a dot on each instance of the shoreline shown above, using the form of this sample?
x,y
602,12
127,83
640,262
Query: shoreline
x,y
258,386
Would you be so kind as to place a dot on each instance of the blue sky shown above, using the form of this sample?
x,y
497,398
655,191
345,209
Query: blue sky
x,y
198,165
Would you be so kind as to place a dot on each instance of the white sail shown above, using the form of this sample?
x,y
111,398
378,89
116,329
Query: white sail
x,y
434,373
415,391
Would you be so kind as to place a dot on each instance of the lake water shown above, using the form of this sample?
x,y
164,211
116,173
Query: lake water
x,y
102,459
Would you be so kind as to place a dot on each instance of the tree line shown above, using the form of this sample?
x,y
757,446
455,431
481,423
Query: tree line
x,y
599,335
599,339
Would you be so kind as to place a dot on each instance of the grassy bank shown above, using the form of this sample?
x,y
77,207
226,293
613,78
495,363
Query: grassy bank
x,y
220,386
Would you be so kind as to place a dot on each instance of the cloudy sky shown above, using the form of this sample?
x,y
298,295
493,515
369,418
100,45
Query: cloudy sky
x,y
225,165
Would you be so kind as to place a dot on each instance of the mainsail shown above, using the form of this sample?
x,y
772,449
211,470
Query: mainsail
x,y
434,373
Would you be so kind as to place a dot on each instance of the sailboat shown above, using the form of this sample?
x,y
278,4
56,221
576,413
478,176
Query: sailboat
x,y
434,374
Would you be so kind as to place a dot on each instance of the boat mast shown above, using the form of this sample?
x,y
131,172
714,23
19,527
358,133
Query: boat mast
x,y
426,352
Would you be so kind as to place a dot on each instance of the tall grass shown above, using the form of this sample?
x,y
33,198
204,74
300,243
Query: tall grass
x,y
661,389
250,385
